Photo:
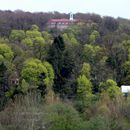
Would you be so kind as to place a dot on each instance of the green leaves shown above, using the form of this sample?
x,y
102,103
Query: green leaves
x,y
94,35
6,52
24,86
62,117
33,33
6,55
110,87
34,27
35,42
50,73
70,39
91,53
32,70
17,35
84,87
105,85
27,41
86,70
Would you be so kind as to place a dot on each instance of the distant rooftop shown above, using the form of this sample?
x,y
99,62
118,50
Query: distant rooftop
x,y
62,23
62,20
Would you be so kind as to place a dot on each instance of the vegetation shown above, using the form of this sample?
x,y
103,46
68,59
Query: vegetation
x,y
63,80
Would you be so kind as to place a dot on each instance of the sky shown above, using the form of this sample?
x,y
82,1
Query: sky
x,y
115,8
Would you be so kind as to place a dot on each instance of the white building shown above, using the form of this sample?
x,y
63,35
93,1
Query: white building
x,y
63,23
125,89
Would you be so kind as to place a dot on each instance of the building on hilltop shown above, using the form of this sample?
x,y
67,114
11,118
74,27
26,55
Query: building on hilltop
x,y
61,24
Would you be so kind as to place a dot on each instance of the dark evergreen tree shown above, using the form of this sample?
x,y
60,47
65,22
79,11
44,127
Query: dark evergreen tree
x,y
56,58
3,84
64,61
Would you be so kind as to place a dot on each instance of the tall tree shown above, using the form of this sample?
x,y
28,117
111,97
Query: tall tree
x,y
56,58
84,85
6,56
39,75
110,87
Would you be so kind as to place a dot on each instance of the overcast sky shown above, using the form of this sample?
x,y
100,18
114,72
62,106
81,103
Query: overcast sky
x,y
113,8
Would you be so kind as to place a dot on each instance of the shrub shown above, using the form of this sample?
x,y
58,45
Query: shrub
x,y
24,113
63,117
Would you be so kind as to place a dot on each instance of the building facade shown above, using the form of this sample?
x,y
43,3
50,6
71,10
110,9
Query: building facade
x,y
61,24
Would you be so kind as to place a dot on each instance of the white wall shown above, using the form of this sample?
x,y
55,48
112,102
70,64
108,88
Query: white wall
x,y
125,89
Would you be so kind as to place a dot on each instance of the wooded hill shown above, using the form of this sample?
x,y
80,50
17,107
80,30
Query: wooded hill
x,y
81,67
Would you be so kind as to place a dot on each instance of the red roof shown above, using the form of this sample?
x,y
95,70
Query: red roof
x,y
62,20
59,20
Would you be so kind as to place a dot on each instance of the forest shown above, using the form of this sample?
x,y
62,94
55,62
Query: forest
x,y
63,80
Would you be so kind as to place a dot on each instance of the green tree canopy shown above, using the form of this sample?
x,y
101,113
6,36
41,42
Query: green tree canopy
x,y
70,39
6,54
110,87
17,35
36,43
35,28
84,87
94,35
34,71
86,70
91,53
62,117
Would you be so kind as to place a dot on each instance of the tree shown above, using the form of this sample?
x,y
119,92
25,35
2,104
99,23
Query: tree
x,y
93,37
111,24
57,60
96,56
86,70
105,85
19,57
6,56
35,42
126,69
91,53
34,27
63,117
47,37
39,47
27,41
110,87
126,64
24,86
37,74
34,32
6,52
70,39
17,36
3,84
84,87
50,74
117,56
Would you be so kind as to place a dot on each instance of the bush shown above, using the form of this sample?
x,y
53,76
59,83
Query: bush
x,y
63,117
24,113
97,123
82,105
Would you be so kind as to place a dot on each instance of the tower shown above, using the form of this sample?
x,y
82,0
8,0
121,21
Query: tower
x,y
71,16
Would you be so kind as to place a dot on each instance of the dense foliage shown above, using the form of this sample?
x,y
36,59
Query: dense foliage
x,y
63,80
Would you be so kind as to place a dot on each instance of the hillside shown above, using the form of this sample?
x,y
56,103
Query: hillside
x,y
63,80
